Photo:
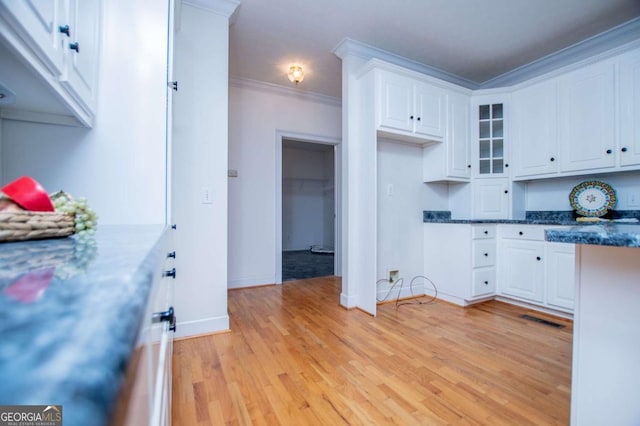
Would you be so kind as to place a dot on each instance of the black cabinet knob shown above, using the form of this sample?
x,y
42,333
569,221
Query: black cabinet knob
x,y
506,165
538,258
520,233
418,119
609,151
506,191
486,255
624,149
174,226
486,283
468,166
171,254
170,273
75,46
552,159
411,117
64,29
486,232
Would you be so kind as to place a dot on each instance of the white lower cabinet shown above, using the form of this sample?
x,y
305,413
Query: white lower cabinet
x,y
560,275
460,260
475,262
522,270
533,270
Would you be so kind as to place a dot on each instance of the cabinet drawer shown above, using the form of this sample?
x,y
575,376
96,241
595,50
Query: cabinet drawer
x,y
478,232
483,282
524,232
484,253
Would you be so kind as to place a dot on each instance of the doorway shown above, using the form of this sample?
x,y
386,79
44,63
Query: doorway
x,y
307,223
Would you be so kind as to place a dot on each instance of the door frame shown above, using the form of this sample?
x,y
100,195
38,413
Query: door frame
x,y
337,194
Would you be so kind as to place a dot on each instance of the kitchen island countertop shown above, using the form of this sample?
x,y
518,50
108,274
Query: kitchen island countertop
x,y
70,313
606,234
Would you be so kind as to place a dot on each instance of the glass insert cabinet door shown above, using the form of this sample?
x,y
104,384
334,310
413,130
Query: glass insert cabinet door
x,y
491,139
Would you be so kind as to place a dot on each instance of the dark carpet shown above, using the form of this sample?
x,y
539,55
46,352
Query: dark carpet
x,y
297,265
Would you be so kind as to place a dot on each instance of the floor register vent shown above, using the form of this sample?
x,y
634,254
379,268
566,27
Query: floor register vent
x,y
542,321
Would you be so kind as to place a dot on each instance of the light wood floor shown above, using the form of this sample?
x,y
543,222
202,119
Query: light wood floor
x,y
295,357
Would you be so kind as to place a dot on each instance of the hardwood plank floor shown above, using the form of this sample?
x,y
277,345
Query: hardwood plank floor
x,y
295,357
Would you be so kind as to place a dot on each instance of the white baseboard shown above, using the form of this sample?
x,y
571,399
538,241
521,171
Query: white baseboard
x,y
347,301
251,281
384,295
203,326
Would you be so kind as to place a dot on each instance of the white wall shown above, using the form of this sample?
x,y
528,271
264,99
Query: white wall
x,y
200,112
307,195
553,194
119,165
400,206
254,117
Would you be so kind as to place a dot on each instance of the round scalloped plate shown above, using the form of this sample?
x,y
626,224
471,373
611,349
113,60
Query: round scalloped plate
x,y
592,198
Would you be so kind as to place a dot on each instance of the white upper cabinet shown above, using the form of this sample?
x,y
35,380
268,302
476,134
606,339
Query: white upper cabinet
x,y
409,107
535,128
490,136
587,118
37,23
83,44
450,161
491,198
629,149
56,43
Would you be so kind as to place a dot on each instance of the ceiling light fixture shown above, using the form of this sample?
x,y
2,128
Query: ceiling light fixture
x,y
296,75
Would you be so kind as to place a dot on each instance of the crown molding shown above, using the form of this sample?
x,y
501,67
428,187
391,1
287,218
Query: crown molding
x,y
245,83
606,44
350,47
226,8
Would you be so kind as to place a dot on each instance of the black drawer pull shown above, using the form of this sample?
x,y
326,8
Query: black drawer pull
x,y
170,273
163,316
538,258
75,46
520,233
624,149
171,254
552,159
486,232
486,255
486,283
609,151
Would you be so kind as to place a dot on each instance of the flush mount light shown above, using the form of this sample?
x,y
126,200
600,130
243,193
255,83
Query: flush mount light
x,y
296,75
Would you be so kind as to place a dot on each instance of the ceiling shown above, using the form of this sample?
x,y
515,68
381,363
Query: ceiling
x,y
476,40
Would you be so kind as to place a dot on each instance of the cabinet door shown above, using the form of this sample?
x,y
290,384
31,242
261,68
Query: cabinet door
x,y
534,118
560,263
491,198
587,118
81,66
37,21
429,110
630,111
522,269
457,139
396,102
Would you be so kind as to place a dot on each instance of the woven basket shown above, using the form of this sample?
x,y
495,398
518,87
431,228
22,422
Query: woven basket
x,y
26,225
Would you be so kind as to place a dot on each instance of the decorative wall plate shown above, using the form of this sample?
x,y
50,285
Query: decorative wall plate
x,y
592,198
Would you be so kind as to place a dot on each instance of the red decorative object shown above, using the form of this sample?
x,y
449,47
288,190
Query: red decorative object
x,y
28,194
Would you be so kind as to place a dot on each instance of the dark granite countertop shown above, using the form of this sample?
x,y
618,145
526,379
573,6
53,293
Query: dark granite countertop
x,y
607,234
534,217
70,312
